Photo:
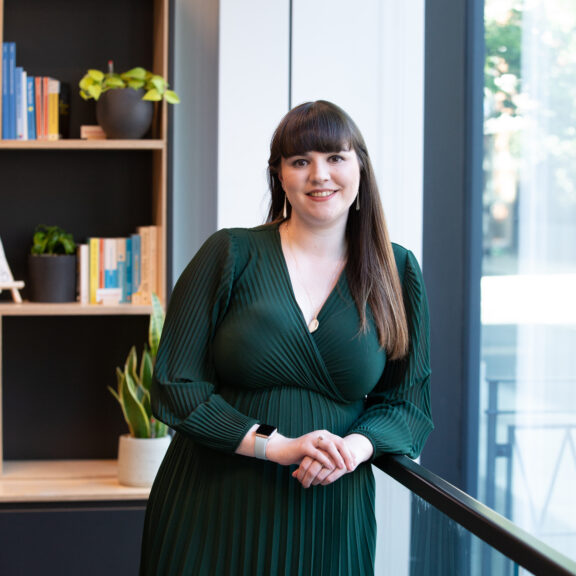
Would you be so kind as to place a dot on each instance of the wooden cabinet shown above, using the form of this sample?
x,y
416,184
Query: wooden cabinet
x,y
59,423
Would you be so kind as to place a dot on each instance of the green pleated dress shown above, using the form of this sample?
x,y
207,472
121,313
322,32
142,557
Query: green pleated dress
x,y
236,351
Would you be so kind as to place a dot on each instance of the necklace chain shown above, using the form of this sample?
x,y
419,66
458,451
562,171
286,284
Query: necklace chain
x,y
314,323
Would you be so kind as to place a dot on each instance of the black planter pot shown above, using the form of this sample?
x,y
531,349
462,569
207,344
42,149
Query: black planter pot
x,y
122,114
52,278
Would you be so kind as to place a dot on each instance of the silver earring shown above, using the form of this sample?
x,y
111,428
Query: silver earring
x,y
358,201
285,210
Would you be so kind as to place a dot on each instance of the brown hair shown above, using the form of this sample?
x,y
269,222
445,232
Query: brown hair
x,y
371,270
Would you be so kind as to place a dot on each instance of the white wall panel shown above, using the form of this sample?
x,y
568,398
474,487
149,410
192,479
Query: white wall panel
x,y
253,96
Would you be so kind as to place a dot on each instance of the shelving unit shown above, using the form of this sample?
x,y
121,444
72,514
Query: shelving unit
x,y
82,145
92,188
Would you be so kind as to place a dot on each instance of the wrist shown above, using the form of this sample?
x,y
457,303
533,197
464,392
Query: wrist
x,y
276,445
262,436
360,446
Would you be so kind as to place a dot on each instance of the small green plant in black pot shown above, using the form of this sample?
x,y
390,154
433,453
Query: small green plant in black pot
x,y
52,265
124,102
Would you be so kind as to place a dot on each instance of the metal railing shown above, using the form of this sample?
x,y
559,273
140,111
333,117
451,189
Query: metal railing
x,y
481,521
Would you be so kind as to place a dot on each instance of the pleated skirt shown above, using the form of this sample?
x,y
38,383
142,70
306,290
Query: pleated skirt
x,y
212,513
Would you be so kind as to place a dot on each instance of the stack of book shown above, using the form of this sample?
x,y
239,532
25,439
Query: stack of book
x,y
32,106
119,270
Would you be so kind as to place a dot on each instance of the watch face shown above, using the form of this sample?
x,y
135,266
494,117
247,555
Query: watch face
x,y
265,430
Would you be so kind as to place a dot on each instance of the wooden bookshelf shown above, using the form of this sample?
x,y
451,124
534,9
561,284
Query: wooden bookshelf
x,y
73,144
70,309
96,175
65,481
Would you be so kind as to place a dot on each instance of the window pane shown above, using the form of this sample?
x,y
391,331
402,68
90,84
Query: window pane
x,y
528,384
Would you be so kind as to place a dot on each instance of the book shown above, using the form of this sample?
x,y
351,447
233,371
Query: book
x,y
83,270
122,256
20,86
92,133
52,127
127,288
110,263
144,291
94,244
31,108
45,108
153,255
39,108
5,104
9,116
136,273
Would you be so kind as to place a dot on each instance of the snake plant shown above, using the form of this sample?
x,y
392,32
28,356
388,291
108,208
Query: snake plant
x,y
133,382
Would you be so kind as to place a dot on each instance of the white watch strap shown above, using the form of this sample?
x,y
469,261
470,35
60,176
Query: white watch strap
x,y
260,443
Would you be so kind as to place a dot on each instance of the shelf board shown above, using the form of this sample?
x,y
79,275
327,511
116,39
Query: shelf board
x,y
69,144
64,481
71,309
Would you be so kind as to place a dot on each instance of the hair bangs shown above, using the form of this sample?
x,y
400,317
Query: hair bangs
x,y
314,128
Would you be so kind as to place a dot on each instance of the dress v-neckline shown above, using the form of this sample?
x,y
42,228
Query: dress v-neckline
x,y
288,279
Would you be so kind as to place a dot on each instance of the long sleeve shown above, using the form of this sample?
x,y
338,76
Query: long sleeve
x,y
184,392
397,418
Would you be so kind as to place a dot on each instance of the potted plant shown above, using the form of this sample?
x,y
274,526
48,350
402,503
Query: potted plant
x,y
52,265
140,452
124,102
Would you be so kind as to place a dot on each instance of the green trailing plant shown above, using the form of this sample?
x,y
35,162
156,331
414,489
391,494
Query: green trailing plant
x,y
52,240
134,382
95,83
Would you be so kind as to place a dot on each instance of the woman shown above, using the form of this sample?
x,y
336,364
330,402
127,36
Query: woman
x,y
292,355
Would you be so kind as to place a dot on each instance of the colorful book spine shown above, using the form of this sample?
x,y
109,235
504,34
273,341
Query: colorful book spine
x,y
144,293
9,133
127,288
83,271
39,109
31,108
45,107
5,129
153,255
136,270
94,244
110,263
53,129
21,106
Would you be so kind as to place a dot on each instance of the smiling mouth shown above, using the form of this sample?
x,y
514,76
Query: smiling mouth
x,y
321,194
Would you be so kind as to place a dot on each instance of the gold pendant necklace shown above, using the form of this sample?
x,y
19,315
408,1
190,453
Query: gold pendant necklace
x,y
314,322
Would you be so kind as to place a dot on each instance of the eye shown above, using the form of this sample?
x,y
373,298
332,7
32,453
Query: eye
x,y
299,162
336,158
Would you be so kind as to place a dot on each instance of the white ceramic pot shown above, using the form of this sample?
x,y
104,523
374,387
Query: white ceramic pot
x,y
139,459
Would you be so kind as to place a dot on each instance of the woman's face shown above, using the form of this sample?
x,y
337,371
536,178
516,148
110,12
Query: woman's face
x,y
321,186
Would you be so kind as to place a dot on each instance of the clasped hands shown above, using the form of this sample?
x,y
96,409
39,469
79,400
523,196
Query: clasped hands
x,y
322,457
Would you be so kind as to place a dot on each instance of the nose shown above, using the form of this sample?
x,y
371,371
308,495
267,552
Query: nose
x,y
319,171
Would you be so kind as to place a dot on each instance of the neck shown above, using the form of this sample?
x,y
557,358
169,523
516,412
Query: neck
x,y
326,243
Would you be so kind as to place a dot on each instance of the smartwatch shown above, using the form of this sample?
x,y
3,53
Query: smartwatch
x,y
263,434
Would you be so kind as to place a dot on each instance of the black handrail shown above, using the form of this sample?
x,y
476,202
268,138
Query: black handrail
x,y
497,531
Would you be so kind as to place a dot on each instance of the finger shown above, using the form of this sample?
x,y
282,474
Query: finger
x,y
321,476
333,476
302,468
323,456
311,474
338,451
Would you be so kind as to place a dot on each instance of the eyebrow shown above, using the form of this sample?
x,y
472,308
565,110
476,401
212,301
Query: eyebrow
x,y
307,153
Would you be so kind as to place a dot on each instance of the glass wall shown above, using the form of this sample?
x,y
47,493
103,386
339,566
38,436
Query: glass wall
x,y
527,467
